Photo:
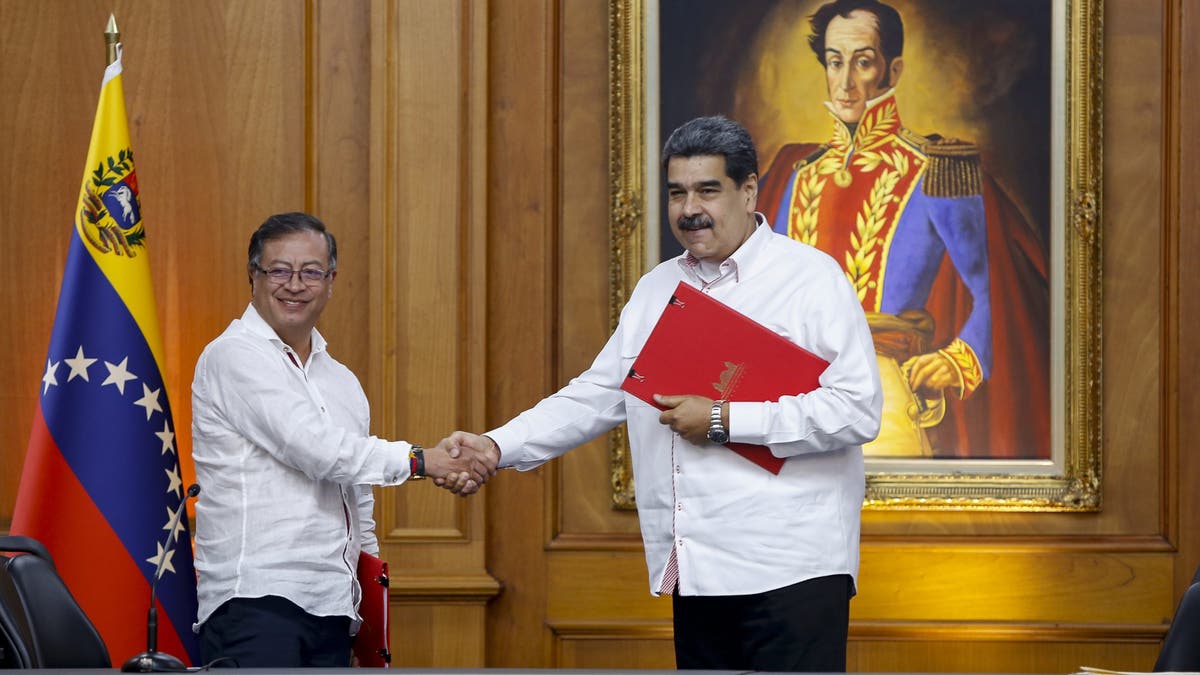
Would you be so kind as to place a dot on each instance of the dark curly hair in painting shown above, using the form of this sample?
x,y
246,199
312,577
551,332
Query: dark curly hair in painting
x,y
891,28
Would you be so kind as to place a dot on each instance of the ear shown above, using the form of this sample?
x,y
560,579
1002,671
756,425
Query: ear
x,y
894,70
750,190
332,278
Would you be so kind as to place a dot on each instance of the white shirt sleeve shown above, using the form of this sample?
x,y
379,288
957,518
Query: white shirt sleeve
x,y
585,408
366,519
243,386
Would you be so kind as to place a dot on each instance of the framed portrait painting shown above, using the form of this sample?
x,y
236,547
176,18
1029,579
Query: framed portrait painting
x,y
958,186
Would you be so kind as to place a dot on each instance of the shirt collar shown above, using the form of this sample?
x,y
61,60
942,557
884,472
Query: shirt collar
x,y
739,261
255,324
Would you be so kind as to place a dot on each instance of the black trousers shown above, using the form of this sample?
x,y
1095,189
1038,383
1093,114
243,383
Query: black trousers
x,y
272,632
796,628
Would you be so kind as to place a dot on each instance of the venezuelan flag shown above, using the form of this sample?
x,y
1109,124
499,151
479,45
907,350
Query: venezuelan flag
x,y
101,481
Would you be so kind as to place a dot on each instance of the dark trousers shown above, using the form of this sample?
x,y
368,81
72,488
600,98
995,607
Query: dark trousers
x,y
796,628
271,632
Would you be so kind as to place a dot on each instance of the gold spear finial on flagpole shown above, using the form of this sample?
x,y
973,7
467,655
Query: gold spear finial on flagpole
x,y
111,37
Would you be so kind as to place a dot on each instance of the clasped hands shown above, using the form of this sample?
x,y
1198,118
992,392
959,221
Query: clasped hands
x,y
462,462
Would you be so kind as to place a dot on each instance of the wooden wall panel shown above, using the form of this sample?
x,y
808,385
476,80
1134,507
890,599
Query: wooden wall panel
x,y
595,647
428,157
522,148
991,656
337,165
583,504
45,130
1184,298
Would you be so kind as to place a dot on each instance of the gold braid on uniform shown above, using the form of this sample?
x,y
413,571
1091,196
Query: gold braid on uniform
x,y
953,169
966,365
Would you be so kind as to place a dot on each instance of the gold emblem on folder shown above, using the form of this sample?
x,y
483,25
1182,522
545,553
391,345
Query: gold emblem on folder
x,y
728,380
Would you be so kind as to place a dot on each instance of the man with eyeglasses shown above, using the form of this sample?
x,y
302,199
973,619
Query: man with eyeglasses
x,y
286,462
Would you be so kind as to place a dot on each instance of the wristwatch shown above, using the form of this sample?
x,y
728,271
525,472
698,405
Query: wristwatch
x,y
716,430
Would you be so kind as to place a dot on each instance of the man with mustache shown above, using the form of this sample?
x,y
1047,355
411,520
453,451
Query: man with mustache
x,y
760,567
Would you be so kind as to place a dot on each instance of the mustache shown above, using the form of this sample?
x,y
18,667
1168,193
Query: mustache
x,y
693,223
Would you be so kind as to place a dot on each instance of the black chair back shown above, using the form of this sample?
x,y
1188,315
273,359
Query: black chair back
x,y
1181,649
16,638
39,615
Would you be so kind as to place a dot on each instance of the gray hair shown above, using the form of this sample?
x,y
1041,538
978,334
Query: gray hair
x,y
714,136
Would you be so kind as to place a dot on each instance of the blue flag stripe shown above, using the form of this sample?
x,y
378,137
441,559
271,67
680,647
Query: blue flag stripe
x,y
104,434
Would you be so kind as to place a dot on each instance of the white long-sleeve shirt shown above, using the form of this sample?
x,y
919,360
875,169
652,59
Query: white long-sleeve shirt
x,y
285,463
735,527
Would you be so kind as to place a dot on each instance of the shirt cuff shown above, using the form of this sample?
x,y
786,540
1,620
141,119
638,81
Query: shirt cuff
x,y
395,464
508,442
746,422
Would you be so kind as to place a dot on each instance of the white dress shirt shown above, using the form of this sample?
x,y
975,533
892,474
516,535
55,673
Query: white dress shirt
x,y
285,463
735,527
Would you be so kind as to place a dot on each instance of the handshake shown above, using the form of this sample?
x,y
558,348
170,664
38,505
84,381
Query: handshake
x,y
462,462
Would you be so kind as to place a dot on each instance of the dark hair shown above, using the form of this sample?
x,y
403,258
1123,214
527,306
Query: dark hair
x,y
282,224
718,136
891,28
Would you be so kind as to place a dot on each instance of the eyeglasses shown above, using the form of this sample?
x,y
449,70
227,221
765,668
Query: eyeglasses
x,y
310,276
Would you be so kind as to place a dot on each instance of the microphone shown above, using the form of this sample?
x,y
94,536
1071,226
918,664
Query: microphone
x,y
152,660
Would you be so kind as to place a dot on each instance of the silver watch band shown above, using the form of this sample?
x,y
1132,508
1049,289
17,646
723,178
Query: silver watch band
x,y
714,420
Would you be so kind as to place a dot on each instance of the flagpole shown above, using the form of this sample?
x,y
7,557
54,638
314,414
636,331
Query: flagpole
x,y
111,37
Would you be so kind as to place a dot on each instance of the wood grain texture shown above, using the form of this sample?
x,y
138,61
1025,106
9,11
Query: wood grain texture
x,y
1187,295
520,309
427,150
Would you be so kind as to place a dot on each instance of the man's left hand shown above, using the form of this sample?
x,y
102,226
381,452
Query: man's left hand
x,y
931,373
688,416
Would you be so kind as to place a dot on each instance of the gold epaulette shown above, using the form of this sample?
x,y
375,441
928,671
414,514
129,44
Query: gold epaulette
x,y
953,165
812,157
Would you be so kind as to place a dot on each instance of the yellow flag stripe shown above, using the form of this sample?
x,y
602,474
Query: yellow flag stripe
x,y
129,274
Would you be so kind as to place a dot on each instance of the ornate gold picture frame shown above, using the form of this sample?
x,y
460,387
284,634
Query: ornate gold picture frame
x,y
1065,474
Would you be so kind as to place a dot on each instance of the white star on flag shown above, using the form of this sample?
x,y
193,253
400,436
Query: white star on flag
x,y
118,374
79,365
149,400
50,378
167,437
173,475
166,563
171,519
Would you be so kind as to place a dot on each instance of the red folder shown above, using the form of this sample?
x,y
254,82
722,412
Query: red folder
x,y
371,644
700,346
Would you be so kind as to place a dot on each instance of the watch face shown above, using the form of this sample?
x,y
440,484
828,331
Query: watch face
x,y
718,436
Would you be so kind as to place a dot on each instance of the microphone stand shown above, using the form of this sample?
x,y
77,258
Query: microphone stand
x,y
152,660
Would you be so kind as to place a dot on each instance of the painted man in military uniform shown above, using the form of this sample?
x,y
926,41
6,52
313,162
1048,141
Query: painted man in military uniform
x,y
907,217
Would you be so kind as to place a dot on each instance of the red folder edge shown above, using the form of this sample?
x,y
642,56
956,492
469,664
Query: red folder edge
x,y
371,644
671,335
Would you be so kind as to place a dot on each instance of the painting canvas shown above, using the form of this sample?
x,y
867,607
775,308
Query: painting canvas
x,y
946,201
941,187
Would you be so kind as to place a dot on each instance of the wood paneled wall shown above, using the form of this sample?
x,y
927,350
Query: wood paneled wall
x,y
458,148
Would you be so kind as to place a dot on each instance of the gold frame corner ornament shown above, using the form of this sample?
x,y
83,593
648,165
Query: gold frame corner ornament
x,y
1073,484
